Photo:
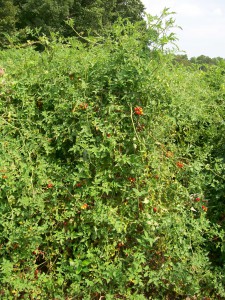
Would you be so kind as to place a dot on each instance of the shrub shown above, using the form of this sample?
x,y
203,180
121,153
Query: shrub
x,y
104,150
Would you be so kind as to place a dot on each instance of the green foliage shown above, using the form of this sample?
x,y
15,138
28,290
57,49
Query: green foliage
x,y
97,15
202,60
112,171
50,15
45,14
7,19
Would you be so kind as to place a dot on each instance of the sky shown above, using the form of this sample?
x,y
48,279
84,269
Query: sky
x,y
202,22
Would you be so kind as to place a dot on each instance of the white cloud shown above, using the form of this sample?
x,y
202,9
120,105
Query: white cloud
x,y
218,12
189,10
157,6
203,24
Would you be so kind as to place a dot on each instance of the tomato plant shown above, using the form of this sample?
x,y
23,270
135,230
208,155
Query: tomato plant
x,y
112,171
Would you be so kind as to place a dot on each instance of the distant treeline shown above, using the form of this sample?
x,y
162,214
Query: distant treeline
x,y
200,60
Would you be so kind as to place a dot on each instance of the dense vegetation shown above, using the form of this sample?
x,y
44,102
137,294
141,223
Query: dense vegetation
x,y
18,17
112,169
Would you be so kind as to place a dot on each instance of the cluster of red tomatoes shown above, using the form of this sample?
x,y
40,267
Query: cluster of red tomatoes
x,y
138,110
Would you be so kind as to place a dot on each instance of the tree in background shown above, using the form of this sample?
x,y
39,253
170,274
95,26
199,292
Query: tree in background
x,y
49,15
88,15
199,60
7,18
182,59
203,59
